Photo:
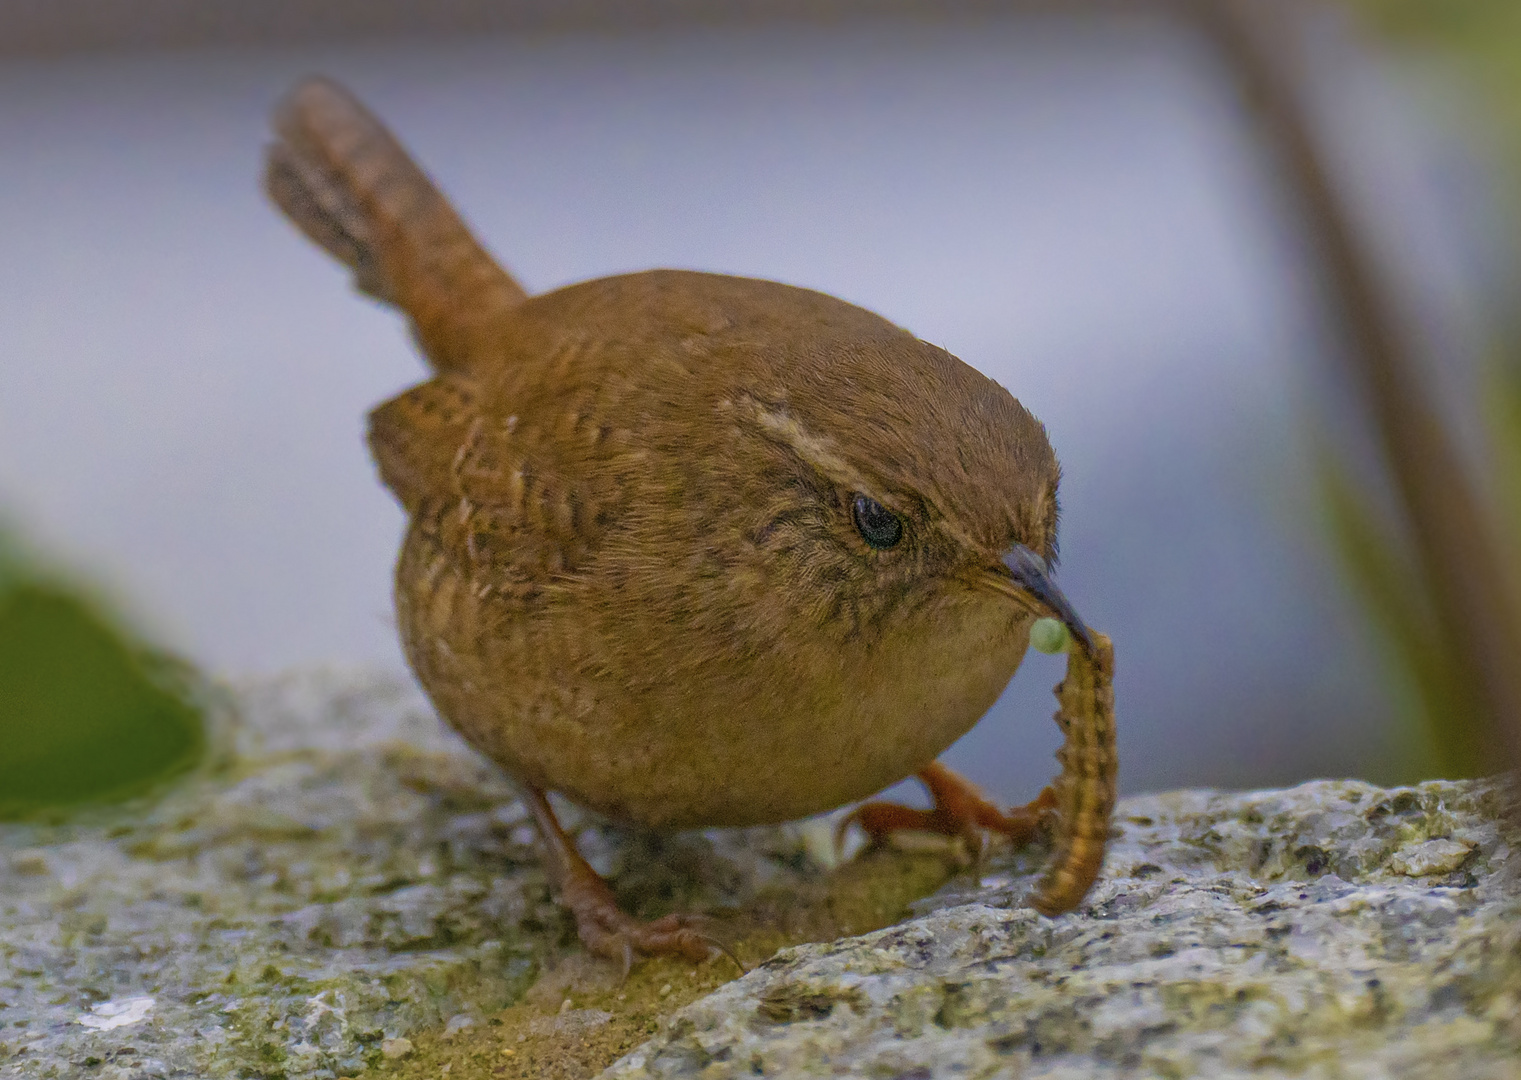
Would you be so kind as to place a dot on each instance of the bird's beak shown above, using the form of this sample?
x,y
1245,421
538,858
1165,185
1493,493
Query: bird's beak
x,y
1028,571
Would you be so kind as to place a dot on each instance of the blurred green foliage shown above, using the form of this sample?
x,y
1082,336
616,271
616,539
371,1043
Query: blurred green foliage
x,y
1427,680
86,713
1481,37
1480,42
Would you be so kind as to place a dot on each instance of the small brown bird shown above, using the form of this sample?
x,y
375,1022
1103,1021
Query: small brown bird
x,y
688,549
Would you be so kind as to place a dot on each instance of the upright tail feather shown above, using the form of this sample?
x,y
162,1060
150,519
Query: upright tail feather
x,y
345,181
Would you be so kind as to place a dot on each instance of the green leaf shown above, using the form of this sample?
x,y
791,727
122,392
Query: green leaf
x,y
86,715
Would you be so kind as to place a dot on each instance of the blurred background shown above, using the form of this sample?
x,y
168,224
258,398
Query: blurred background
x,y
1110,209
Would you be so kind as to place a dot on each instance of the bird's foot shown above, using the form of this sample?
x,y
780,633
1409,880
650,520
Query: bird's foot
x,y
960,809
603,928
607,931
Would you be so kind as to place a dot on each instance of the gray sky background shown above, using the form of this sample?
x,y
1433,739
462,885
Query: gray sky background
x,y
1072,207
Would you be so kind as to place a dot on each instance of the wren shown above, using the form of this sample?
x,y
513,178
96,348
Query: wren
x,y
690,550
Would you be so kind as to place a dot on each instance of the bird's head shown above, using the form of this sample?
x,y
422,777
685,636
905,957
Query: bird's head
x,y
901,478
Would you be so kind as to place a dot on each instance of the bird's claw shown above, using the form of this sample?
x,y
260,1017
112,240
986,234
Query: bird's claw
x,y
960,810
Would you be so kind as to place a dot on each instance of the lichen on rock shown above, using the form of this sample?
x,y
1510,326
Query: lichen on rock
x,y
343,887
336,874
1334,929
340,879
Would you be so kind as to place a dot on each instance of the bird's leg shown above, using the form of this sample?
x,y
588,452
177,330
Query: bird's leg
x,y
603,928
960,809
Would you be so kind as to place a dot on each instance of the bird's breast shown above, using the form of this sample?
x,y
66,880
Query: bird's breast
x,y
793,726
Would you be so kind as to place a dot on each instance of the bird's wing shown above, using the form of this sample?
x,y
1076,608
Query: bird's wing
x,y
504,501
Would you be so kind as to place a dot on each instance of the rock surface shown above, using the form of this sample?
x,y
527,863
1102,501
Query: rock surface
x,y
1331,930
343,872
337,876
345,877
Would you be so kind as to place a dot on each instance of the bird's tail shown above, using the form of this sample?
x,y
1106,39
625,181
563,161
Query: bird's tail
x,y
345,181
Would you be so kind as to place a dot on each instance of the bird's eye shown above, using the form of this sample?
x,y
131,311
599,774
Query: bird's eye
x,y
878,526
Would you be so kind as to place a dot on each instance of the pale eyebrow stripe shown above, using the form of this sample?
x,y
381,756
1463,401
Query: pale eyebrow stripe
x,y
818,451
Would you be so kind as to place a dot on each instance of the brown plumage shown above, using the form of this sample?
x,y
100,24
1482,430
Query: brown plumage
x,y
637,570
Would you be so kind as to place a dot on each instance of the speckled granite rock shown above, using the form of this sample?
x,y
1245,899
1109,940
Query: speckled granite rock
x,y
344,871
1331,930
